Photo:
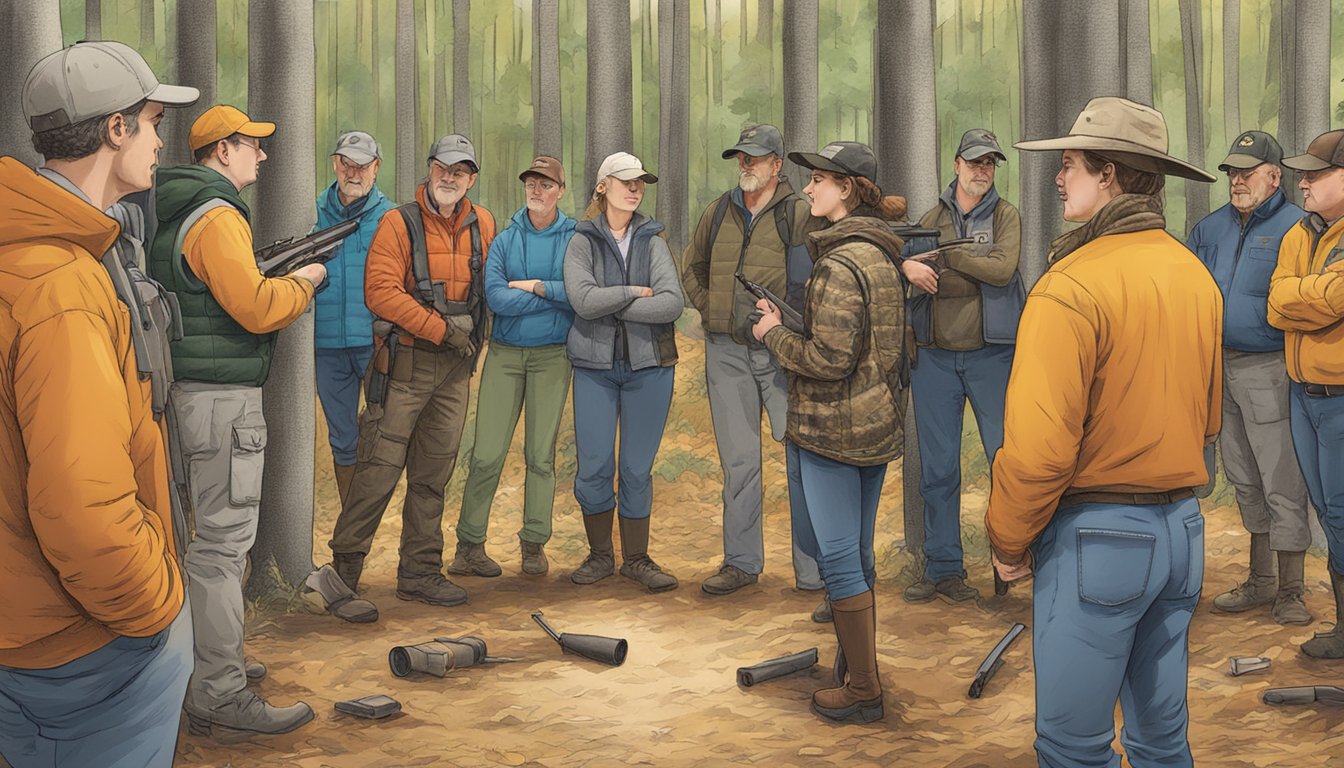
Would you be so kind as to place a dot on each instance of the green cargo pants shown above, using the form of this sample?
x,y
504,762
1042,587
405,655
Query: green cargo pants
x,y
417,427
529,380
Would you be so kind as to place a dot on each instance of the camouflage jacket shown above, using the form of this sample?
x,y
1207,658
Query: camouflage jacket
x,y
845,402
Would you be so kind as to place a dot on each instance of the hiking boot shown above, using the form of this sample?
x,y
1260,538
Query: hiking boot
x,y
859,697
1288,605
954,588
534,558
919,592
341,601
728,580
247,712
349,566
430,588
643,570
1330,645
601,560
471,560
253,670
822,614
1251,593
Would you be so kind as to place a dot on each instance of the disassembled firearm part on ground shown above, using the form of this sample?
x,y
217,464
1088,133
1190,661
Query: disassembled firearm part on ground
x,y
778,667
1240,665
993,661
608,650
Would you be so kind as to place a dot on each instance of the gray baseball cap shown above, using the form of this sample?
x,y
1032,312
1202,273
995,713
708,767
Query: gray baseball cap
x,y
454,148
758,140
979,142
93,79
847,158
358,146
1251,149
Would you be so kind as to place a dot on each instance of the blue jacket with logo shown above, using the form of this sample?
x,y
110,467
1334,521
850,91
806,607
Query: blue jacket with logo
x,y
522,252
342,319
1242,258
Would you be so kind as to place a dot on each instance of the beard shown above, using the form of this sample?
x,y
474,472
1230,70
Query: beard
x,y
976,188
750,182
353,189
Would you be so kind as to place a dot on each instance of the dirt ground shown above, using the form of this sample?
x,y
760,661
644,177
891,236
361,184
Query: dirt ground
x,y
675,701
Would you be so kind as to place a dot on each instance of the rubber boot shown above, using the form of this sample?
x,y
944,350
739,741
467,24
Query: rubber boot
x,y
601,560
1289,607
859,700
635,561
1330,645
344,474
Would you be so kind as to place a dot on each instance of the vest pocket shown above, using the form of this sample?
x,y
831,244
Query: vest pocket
x,y
1113,566
245,465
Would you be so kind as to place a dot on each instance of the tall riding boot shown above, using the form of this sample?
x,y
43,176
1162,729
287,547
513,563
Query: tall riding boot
x,y
635,561
1330,645
860,698
344,474
1259,588
601,560
1289,607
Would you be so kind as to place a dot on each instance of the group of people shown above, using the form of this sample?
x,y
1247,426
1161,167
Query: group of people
x,y
136,435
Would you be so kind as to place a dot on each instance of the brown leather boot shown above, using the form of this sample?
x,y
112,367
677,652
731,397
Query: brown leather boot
x,y
344,474
636,563
859,700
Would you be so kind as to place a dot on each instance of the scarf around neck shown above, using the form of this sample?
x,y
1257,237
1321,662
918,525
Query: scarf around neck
x,y
1126,213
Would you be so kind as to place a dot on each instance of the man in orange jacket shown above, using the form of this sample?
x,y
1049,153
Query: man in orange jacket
x,y
1306,302
95,650
423,278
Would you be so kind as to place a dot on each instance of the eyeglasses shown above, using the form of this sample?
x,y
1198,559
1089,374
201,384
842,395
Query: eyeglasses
x,y
1237,174
352,166
254,147
532,185
1311,177
982,163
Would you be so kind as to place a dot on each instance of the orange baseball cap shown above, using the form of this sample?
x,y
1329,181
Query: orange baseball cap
x,y
222,121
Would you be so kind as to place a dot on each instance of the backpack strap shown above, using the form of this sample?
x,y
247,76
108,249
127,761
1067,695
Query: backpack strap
x,y
784,220
415,232
720,211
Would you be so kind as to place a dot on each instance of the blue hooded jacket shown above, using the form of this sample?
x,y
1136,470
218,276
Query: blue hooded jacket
x,y
1241,259
521,252
342,319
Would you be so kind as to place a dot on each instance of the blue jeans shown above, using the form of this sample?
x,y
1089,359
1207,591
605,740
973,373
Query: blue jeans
x,y
942,381
339,373
116,707
636,400
1318,437
834,522
1115,588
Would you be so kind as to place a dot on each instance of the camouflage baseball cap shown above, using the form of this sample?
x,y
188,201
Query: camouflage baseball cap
x,y
1251,149
93,79
359,147
757,140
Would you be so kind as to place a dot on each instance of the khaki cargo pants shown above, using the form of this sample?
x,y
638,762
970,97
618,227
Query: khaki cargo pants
x,y
417,427
223,436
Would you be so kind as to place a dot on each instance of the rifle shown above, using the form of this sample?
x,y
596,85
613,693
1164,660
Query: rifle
x,y
922,243
284,256
788,315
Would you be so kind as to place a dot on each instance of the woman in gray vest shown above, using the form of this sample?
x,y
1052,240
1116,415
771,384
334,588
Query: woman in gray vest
x,y
622,284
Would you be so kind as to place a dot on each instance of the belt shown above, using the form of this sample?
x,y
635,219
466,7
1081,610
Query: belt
x,y
1072,497
1323,390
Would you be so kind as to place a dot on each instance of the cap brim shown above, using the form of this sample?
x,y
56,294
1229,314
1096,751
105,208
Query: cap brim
x,y
535,172
975,153
358,155
174,95
1306,163
630,174
755,150
256,130
818,163
454,156
1168,165
1240,161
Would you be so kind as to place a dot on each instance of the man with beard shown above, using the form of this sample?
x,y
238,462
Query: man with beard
x,y
343,332
1239,243
964,312
423,278
757,229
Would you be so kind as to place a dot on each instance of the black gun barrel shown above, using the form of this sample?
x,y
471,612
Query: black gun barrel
x,y
536,616
285,256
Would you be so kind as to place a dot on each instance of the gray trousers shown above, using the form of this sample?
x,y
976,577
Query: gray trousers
x,y
742,382
1257,447
223,438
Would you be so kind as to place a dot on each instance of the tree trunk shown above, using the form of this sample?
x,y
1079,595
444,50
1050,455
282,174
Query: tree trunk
x,y
281,87
93,19
1231,68
462,67
905,139
408,170
1268,105
29,30
1192,35
442,106
548,130
716,46
765,37
147,41
196,65
800,83
1310,84
1136,51
609,126
674,111
375,61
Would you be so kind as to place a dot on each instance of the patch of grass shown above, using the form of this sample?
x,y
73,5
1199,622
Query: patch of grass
x,y
673,463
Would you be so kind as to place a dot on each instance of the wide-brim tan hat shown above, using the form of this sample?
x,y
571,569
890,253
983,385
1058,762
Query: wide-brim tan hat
x,y
1113,124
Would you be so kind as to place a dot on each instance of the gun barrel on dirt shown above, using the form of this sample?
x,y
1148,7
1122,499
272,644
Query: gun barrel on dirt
x,y
608,650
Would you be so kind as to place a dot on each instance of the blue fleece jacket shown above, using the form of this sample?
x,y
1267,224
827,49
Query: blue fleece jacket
x,y
342,320
521,252
1242,258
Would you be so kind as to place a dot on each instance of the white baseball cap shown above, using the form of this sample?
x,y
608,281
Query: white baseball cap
x,y
92,79
625,167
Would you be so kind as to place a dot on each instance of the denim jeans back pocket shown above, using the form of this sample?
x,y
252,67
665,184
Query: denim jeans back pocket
x,y
1194,535
1113,566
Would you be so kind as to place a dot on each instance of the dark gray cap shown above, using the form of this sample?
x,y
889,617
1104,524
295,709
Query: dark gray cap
x,y
758,140
1325,151
358,146
979,142
849,158
454,148
1251,149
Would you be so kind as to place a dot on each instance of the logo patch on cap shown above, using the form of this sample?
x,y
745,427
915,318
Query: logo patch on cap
x,y
830,151
1246,141
538,163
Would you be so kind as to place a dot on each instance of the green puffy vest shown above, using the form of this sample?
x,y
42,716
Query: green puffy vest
x,y
214,348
